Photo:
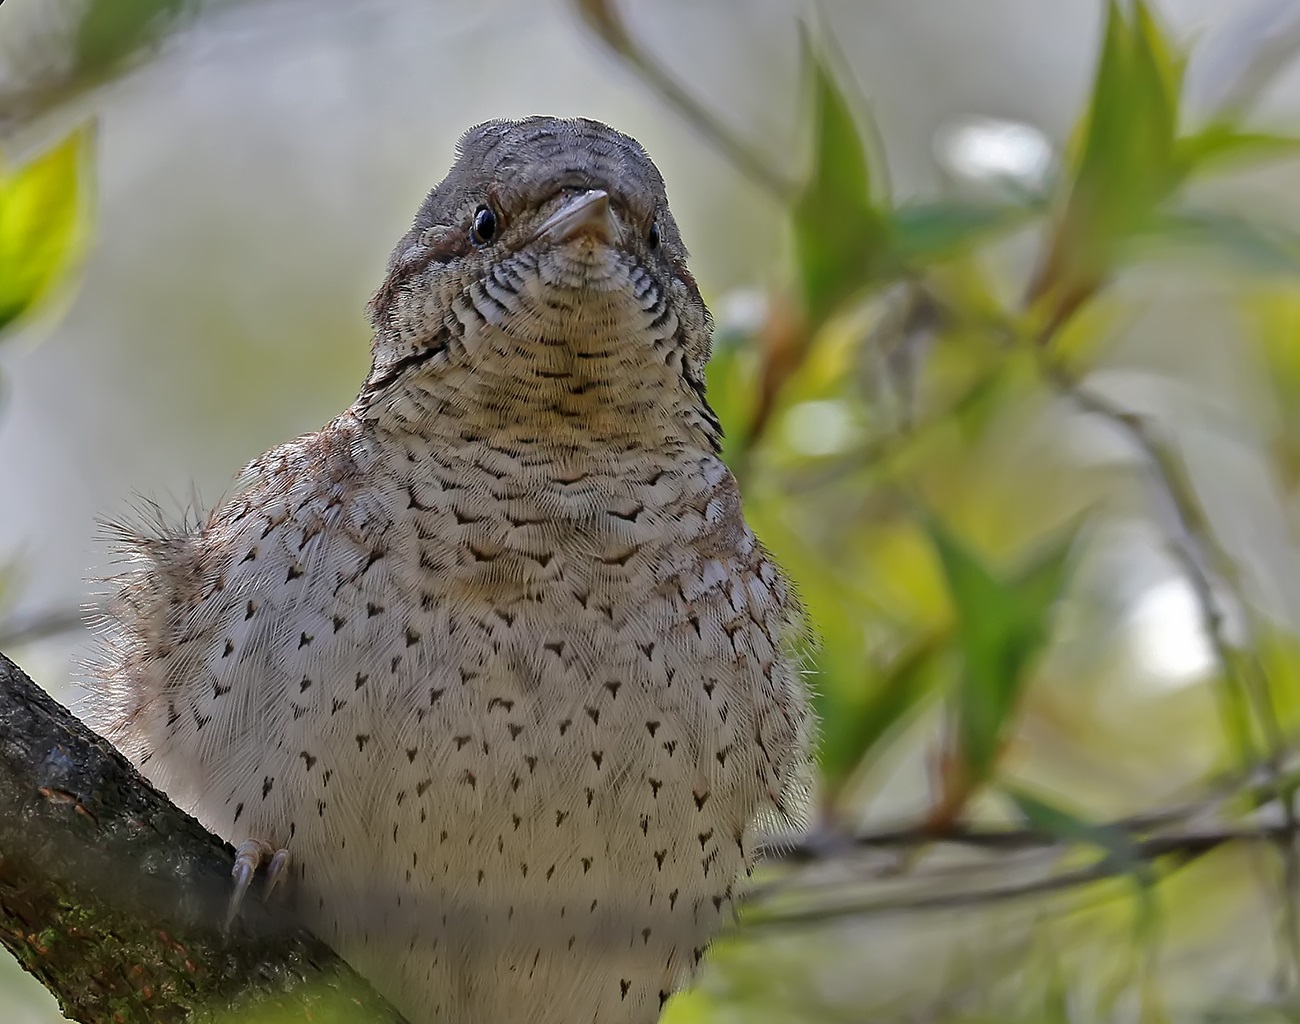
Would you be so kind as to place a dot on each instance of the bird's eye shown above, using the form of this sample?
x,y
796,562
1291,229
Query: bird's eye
x,y
484,228
652,239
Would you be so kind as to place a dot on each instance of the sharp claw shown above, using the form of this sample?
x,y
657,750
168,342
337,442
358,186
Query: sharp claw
x,y
275,871
247,857
236,901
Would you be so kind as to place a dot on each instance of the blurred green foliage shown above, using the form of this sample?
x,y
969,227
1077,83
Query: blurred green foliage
x,y
113,32
45,206
44,210
902,526
1002,625
1126,178
883,417
847,235
839,231
851,246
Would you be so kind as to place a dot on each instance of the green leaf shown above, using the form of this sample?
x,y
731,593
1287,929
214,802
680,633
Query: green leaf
x,y
1103,173
1061,824
1121,855
1248,244
112,32
1127,161
924,233
1041,581
43,215
1223,143
1001,626
1158,68
853,729
839,233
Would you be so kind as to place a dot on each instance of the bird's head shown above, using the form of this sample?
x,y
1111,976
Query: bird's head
x,y
546,269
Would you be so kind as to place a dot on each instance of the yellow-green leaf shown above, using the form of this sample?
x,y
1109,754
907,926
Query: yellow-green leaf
x,y
1127,162
44,208
839,233
1223,144
856,718
1041,580
1002,623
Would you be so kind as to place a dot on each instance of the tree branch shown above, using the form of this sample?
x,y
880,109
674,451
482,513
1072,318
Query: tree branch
x,y
604,18
30,628
113,898
809,902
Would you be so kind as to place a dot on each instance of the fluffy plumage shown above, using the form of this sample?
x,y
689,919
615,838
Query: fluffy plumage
x,y
494,653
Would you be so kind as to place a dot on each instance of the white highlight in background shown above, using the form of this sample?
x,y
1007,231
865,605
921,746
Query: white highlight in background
x,y
818,428
1167,635
990,149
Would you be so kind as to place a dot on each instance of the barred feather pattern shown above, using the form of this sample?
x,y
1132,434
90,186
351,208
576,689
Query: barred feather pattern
x,y
494,654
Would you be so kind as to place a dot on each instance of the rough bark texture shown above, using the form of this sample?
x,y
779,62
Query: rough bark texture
x,y
113,897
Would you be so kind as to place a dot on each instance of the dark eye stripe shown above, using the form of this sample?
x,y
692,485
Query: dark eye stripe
x,y
433,348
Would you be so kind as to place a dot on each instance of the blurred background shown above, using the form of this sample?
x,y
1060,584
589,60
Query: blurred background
x,y
1008,298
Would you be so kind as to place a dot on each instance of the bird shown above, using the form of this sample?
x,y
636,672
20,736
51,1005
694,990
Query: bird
x,y
491,669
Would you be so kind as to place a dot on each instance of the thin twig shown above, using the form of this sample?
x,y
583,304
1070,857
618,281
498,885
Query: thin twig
x,y
42,625
1186,847
1192,544
808,850
603,17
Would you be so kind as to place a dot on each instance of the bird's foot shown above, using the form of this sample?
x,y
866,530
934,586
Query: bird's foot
x,y
250,855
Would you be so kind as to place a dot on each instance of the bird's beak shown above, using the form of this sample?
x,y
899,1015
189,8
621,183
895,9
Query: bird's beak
x,y
588,213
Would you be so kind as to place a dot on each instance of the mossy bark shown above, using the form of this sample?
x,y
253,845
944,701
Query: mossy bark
x,y
114,898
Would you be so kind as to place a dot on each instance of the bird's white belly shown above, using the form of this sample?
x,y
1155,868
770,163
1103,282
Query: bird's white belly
x,y
520,817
